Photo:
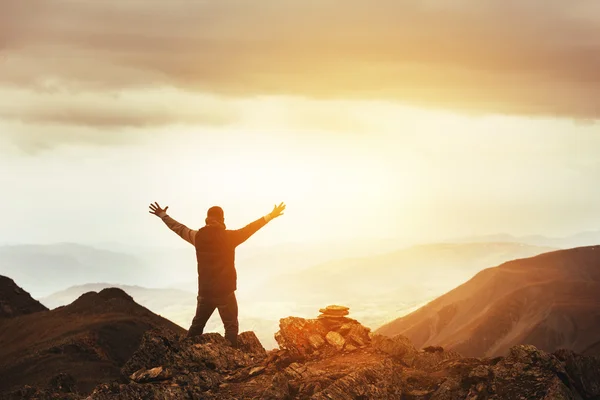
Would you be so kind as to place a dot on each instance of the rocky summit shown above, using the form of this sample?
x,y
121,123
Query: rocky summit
x,y
320,360
330,332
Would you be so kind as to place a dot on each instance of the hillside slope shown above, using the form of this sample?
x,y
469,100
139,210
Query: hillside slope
x,y
89,339
15,301
551,301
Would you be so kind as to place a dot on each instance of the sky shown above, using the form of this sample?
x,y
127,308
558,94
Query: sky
x,y
399,119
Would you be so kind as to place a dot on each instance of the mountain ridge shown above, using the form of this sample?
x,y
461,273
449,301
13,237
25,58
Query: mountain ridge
x,y
521,298
89,339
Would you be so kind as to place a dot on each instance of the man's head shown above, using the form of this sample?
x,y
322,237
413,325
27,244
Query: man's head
x,y
215,215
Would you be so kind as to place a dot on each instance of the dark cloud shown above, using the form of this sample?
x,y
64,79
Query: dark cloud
x,y
540,57
135,115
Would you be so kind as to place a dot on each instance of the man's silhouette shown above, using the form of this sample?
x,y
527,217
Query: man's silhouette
x,y
215,253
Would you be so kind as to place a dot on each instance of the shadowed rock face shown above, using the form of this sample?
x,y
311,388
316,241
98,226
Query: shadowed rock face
x,y
169,366
15,301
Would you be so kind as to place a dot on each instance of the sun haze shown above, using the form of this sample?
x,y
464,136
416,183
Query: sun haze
x,y
415,144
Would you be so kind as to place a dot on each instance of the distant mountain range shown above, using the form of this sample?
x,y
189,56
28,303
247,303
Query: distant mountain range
x,y
89,339
416,266
381,287
551,301
587,238
45,269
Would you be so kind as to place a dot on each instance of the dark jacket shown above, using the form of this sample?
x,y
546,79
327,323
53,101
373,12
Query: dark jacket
x,y
215,253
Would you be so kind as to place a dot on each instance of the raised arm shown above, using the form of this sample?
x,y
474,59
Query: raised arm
x,y
187,234
243,234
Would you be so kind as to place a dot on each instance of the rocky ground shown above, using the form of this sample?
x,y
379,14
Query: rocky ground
x,y
331,358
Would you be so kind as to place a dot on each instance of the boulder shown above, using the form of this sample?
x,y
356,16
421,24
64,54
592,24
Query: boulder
x,y
316,341
399,347
294,333
336,340
249,343
151,375
358,334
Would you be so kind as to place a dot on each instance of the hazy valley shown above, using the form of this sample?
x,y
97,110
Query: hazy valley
x,y
378,284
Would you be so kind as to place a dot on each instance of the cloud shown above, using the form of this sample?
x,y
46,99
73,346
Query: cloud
x,y
115,110
33,143
539,57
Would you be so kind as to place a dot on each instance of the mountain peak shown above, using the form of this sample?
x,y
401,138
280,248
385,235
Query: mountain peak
x,y
15,301
115,293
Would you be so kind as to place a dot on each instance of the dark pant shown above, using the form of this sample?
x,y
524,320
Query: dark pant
x,y
228,310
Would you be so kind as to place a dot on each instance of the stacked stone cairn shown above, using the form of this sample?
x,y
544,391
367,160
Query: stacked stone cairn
x,y
331,332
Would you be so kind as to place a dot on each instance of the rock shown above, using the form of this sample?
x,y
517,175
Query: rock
x,y
316,341
428,361
294,333
335,311
63,383
584,372
278,390
281,359
257,371
334,323
336,340
350,347
249,343
359,335
158,347
151,375
376,381
295,371
31,393
529,373
344,329
433,349
218,356
334,317
399,347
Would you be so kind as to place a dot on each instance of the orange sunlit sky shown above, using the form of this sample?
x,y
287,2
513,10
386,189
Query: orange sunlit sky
x,y
395,119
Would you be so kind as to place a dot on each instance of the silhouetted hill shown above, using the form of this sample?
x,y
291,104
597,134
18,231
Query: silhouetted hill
x,y
162,301
89,339
551,301
15,301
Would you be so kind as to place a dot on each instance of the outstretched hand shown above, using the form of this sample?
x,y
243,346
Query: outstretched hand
x,y
156,210
277,210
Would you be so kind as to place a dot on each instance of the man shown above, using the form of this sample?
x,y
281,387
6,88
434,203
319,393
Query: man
x,y
215,253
